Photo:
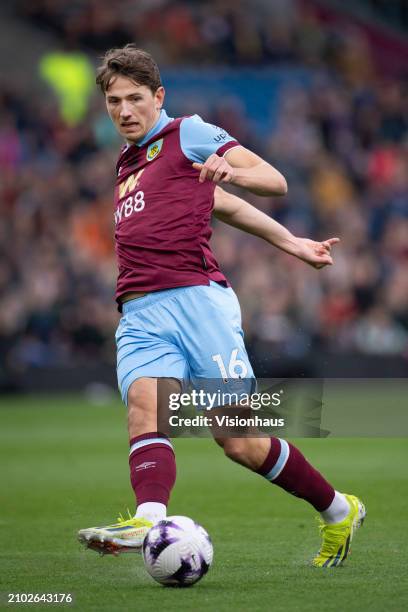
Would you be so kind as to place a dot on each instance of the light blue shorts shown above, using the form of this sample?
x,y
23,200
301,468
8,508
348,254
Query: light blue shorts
x,y
187,333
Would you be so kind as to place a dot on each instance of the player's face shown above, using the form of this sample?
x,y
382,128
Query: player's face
x,y
133,108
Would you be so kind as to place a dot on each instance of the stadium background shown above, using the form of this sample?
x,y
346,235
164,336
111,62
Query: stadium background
x,y
316,89
320,89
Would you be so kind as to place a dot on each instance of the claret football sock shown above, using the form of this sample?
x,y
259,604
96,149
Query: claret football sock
x,y
286,467
152,471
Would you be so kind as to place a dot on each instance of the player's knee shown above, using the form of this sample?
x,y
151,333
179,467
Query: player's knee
x,y
137,407
236,450
142,407
137,401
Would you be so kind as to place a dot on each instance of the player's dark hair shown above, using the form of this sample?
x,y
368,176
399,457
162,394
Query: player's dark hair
x,y
130,62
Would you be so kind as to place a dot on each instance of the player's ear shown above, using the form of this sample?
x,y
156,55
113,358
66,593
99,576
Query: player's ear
x,y
159,97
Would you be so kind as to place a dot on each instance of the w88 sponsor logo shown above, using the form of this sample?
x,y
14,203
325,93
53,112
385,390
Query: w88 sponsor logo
x,y
133,204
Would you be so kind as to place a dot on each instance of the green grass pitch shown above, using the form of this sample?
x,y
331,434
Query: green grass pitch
x,y
64,467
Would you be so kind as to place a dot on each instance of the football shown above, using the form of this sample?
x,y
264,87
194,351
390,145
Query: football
x,y
177,551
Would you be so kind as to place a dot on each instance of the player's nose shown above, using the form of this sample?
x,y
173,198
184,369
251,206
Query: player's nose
x,y
125,111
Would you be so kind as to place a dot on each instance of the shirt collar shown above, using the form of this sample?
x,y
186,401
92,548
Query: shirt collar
x,y
161,123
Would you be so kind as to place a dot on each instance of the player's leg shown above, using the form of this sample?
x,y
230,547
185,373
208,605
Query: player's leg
x,y
282,464
278,461
152,467
143,357
152,461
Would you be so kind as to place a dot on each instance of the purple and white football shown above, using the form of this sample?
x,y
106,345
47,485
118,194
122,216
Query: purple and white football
x,y
177,551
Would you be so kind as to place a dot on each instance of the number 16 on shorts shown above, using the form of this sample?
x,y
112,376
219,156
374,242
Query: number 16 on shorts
x,y
237,368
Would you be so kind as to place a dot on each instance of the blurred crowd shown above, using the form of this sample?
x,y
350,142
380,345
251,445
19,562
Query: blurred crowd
x,y
198,31
342,144
193,31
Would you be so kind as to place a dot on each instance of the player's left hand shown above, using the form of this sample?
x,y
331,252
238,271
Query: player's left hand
x,y
316,254
215,169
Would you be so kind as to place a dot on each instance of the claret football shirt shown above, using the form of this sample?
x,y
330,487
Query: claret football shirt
x,y
162,212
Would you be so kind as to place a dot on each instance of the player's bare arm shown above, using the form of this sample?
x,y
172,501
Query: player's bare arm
x,y
240,214
243,168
